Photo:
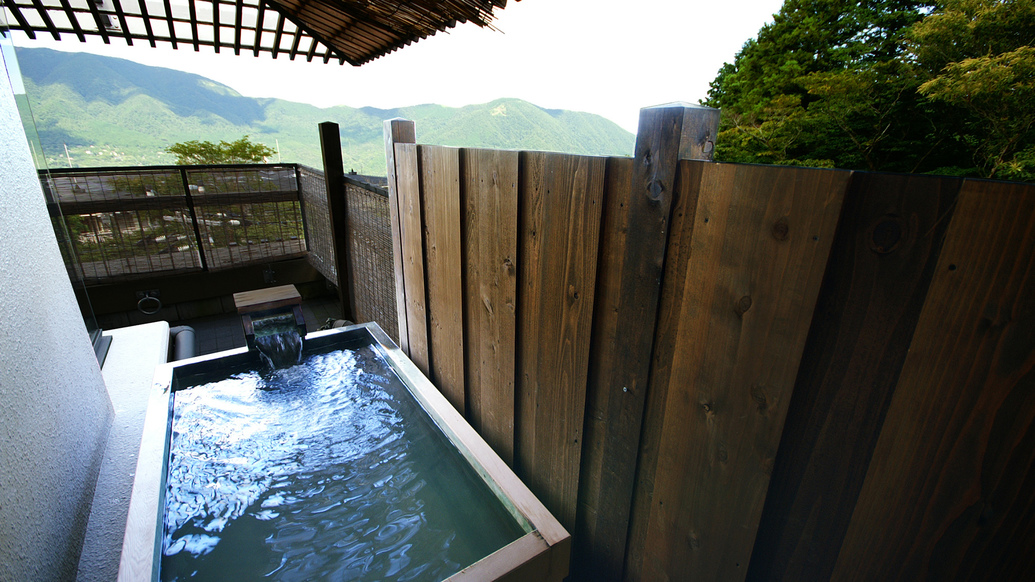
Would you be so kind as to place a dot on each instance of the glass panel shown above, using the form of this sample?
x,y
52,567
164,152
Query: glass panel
x,y
72,263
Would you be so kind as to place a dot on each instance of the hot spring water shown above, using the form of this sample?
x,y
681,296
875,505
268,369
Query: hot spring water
x,y
328,469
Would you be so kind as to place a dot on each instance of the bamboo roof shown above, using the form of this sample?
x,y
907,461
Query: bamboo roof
x,y
346,31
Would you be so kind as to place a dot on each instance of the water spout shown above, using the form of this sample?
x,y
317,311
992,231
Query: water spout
x,y
277,340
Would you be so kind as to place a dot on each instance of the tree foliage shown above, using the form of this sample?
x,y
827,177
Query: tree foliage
x,y
242,151
897,85
981,55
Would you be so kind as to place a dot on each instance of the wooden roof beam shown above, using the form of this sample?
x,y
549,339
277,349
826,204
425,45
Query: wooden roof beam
x,y
122,22
73,20
42,10
280,31
215,24
237,27
294,45
102,28
258,28
312,50
21,19
147,22
169,20
194,25
302,28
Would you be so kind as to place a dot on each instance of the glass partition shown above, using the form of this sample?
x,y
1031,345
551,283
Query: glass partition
x,y
72,263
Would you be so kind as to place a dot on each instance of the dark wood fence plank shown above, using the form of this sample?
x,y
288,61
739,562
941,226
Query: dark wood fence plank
x,y
877,277
408,182
640,199
948,495
760,243
595,554
490,205
440,191
688,184
560,206
338,208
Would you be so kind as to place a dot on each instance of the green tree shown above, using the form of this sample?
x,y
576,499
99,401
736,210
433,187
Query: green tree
x,y
242,151
826,85
979,55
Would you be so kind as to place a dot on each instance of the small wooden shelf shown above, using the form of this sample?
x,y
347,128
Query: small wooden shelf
x,y
267,299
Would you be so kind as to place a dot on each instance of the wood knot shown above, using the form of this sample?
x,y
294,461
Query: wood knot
x,y
654,190
573,293
743,305
781,229
886,235
508,264
761,398
723,453
706,406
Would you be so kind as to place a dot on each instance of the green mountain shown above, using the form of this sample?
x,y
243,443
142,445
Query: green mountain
x,y
112,112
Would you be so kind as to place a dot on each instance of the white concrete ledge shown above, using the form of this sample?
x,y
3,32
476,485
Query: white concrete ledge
x,y
128,374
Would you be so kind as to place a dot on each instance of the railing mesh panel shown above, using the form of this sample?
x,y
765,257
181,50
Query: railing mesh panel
x,y
131,223
373,271
317,222
124,224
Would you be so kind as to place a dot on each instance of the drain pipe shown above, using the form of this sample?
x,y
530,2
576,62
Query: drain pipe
x,y
182,343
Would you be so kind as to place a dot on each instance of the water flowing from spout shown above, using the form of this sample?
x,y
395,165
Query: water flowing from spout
x,y
278,341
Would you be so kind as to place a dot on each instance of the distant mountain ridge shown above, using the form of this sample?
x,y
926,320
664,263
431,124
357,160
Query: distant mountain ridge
x,y
111,111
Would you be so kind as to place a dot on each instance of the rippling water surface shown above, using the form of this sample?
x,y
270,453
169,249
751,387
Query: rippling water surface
x,y
327,470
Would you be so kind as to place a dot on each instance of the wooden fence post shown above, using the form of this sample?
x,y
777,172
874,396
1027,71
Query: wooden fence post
x,y
624,331
398,131
338,208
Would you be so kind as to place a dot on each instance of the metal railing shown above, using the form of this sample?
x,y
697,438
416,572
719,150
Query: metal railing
x,y
139,222
131,223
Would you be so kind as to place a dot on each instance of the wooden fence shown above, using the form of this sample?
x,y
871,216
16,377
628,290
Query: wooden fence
x,y
724,372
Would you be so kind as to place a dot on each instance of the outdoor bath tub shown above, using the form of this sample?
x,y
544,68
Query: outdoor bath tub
x,y
400,441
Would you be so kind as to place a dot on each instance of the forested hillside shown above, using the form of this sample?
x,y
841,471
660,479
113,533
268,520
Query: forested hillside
x,y
940,86
111,111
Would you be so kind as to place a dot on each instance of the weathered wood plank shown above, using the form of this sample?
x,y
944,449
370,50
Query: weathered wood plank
x,y
440,192
412,247
684,210
948,494
698,131
397,131
560,206
759,246
599,510
877,277
640,195
490,205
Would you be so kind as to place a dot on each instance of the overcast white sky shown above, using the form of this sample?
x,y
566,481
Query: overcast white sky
x,y
608,57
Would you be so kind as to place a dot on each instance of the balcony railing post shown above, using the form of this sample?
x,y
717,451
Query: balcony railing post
x,y
338,208
301,204
193,218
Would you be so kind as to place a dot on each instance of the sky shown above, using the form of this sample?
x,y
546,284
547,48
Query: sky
x,y
609,57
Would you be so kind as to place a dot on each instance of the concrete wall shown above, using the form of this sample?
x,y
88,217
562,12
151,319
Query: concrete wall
x,y
54,409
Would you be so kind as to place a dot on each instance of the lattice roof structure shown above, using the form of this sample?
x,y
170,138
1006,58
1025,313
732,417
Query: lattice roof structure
x,y
347,31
